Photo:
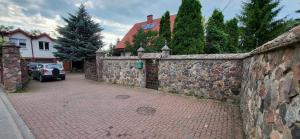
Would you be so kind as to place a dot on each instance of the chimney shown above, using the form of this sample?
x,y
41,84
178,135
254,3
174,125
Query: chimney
x,y
149,18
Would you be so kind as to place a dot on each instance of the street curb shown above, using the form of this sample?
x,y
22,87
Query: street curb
x,y
22,127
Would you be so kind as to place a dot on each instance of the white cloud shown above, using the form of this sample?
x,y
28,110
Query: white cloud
x,y
87,3
110,38
114,25
14,16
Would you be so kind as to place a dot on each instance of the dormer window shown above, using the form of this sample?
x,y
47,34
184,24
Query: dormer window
x,y
149,26
18,42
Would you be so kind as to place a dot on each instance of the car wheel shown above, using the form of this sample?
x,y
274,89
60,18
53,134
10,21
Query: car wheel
x,y
63,78
41,78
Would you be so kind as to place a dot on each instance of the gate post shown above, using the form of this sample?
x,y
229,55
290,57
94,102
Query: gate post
x,y
100,54
12,75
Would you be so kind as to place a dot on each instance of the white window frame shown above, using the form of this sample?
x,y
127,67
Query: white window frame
x,y
17,41
44,46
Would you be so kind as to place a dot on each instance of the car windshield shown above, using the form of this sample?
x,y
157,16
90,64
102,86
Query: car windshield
x,y
52,66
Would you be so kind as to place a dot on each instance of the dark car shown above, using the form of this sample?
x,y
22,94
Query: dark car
x,y
31,66
44,71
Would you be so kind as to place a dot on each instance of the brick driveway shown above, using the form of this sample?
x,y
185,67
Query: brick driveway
x,y
82,109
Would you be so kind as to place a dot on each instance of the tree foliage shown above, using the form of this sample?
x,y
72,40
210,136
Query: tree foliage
x,y
4,29
216,38
188,34
35,32
80,38
149,40
298,11
259,22
165,27
233,34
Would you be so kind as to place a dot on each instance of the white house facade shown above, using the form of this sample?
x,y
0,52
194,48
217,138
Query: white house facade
x,y
33,48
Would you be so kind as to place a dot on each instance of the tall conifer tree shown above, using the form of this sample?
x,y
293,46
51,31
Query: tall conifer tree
x,y
188,34
216,38
259,22
80,38
233,33
165,27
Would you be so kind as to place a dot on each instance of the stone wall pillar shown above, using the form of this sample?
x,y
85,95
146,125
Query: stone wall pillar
x,y
100,54
12,75
165,51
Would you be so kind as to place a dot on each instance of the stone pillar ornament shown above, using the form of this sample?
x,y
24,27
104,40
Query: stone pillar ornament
x,y
140,51
100,53
165,51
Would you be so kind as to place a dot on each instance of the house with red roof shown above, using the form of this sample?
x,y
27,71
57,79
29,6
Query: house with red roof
x,y
149,24
35,48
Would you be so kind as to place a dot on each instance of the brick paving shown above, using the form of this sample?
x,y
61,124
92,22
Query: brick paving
x,y
82,109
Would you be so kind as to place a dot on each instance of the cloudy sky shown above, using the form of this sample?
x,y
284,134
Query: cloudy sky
x,y
115,16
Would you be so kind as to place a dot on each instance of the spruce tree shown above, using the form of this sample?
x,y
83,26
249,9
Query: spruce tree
x,y
216,38
232,31
80,38
165,27
259,22
188,34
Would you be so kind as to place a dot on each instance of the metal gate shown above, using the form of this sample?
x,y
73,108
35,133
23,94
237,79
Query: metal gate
x,y
152,74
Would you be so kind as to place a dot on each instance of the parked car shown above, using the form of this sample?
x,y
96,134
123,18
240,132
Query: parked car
x,y
31,66
44,71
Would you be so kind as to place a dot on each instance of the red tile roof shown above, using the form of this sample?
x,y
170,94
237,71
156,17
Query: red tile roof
x,y
129,36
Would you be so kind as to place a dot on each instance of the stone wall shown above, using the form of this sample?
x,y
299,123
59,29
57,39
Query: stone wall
x,y
90,69
266,81
216,77
123,72
270,93
12,75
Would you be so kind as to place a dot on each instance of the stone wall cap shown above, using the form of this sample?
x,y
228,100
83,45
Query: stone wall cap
x,y
151,56
284,40
121,58
208,56
100,51
141,49
165,48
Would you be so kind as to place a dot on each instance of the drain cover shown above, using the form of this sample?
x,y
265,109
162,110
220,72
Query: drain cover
x,y
122,97
146,110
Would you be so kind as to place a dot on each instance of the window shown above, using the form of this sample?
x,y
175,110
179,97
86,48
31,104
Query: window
x,y
22,43
41,45
44,46
18,42
47,46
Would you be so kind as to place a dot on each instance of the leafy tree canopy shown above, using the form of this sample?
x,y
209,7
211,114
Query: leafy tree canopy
x,y
149,40
233,34
216,38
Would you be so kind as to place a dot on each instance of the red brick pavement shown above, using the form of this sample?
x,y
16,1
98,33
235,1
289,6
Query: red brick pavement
x,y
82,109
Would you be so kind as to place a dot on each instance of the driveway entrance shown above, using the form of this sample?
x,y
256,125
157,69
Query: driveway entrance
x,y
82,109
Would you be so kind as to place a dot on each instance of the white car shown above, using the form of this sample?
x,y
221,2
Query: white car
x,y
45,71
